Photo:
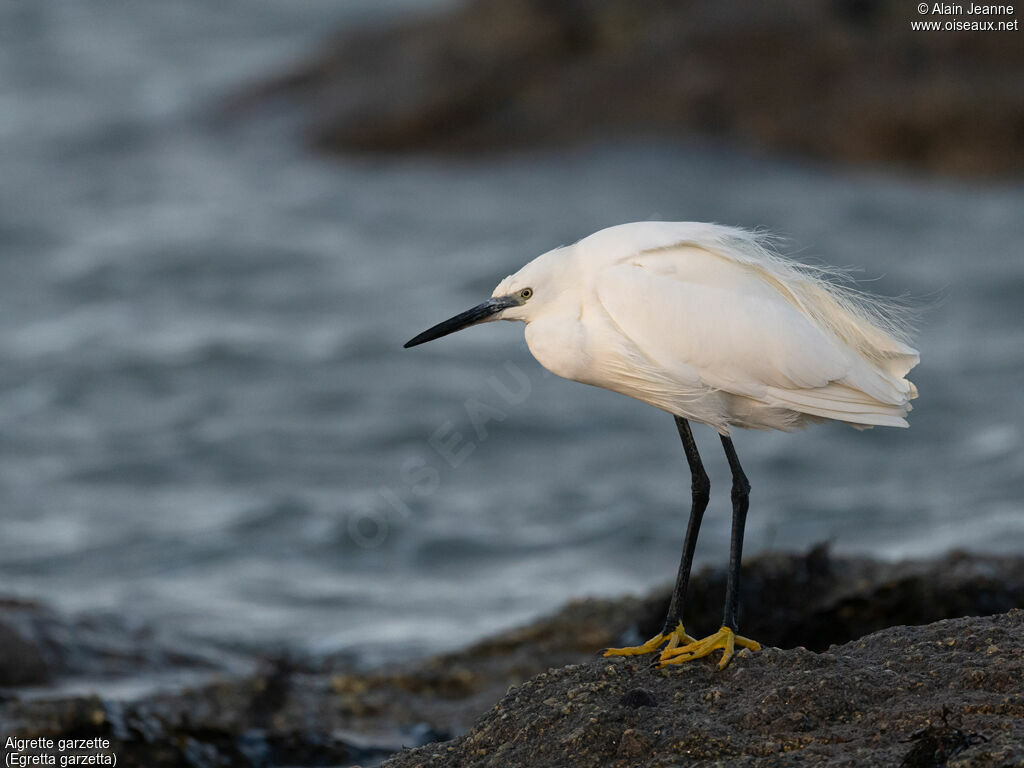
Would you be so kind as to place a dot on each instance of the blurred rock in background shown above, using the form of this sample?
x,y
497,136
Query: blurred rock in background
x,y
848,80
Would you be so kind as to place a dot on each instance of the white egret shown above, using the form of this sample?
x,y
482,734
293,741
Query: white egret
x,y
712,325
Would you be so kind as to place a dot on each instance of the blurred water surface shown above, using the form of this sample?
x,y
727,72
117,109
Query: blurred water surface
x,y
207,420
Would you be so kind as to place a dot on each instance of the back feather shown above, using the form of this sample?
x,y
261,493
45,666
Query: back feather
x,y
877,328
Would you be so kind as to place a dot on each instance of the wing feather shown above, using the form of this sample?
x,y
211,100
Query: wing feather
x,y
720,303
738,343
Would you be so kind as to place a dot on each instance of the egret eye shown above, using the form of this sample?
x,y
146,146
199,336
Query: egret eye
x,y
526,293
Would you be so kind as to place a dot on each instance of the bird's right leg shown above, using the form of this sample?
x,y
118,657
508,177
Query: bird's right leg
x,y
672,633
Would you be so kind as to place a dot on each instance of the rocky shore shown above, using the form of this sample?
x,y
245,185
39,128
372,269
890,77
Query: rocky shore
x,y
839,692
846,80
949,693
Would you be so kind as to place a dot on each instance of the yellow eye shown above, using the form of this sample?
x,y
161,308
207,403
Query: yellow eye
x,y
526,293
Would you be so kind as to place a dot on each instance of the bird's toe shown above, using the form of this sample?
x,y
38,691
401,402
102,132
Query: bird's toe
x,y
724,639
671,640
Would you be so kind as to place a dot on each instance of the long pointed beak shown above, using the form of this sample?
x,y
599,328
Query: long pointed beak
x,y
478,314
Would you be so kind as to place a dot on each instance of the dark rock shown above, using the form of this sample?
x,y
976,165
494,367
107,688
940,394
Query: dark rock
x,y
209,726
765,707
937,744
847,80
862,703
22,661
637,697
39,646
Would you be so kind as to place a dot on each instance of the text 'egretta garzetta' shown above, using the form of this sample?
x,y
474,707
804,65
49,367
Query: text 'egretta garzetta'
x,y
710,324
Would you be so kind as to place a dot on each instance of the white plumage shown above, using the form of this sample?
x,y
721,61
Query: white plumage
x,y
711,324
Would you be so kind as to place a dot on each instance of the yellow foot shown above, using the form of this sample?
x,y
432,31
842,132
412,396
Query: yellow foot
x,y
724,638
674,639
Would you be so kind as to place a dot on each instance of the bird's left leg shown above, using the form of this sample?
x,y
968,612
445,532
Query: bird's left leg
x,y
672,634
725,638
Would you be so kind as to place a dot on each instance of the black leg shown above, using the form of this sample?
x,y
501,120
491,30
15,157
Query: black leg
x,y
700,491
740,502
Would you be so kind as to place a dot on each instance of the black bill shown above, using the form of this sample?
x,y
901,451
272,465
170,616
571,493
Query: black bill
x,y
477,314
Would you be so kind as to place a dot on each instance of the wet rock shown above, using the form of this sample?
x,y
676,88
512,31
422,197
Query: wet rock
x,y
847,80
23,662
39,646
222,724
886,699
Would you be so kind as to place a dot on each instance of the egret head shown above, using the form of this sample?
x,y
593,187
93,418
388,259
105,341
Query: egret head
x,y
517,297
